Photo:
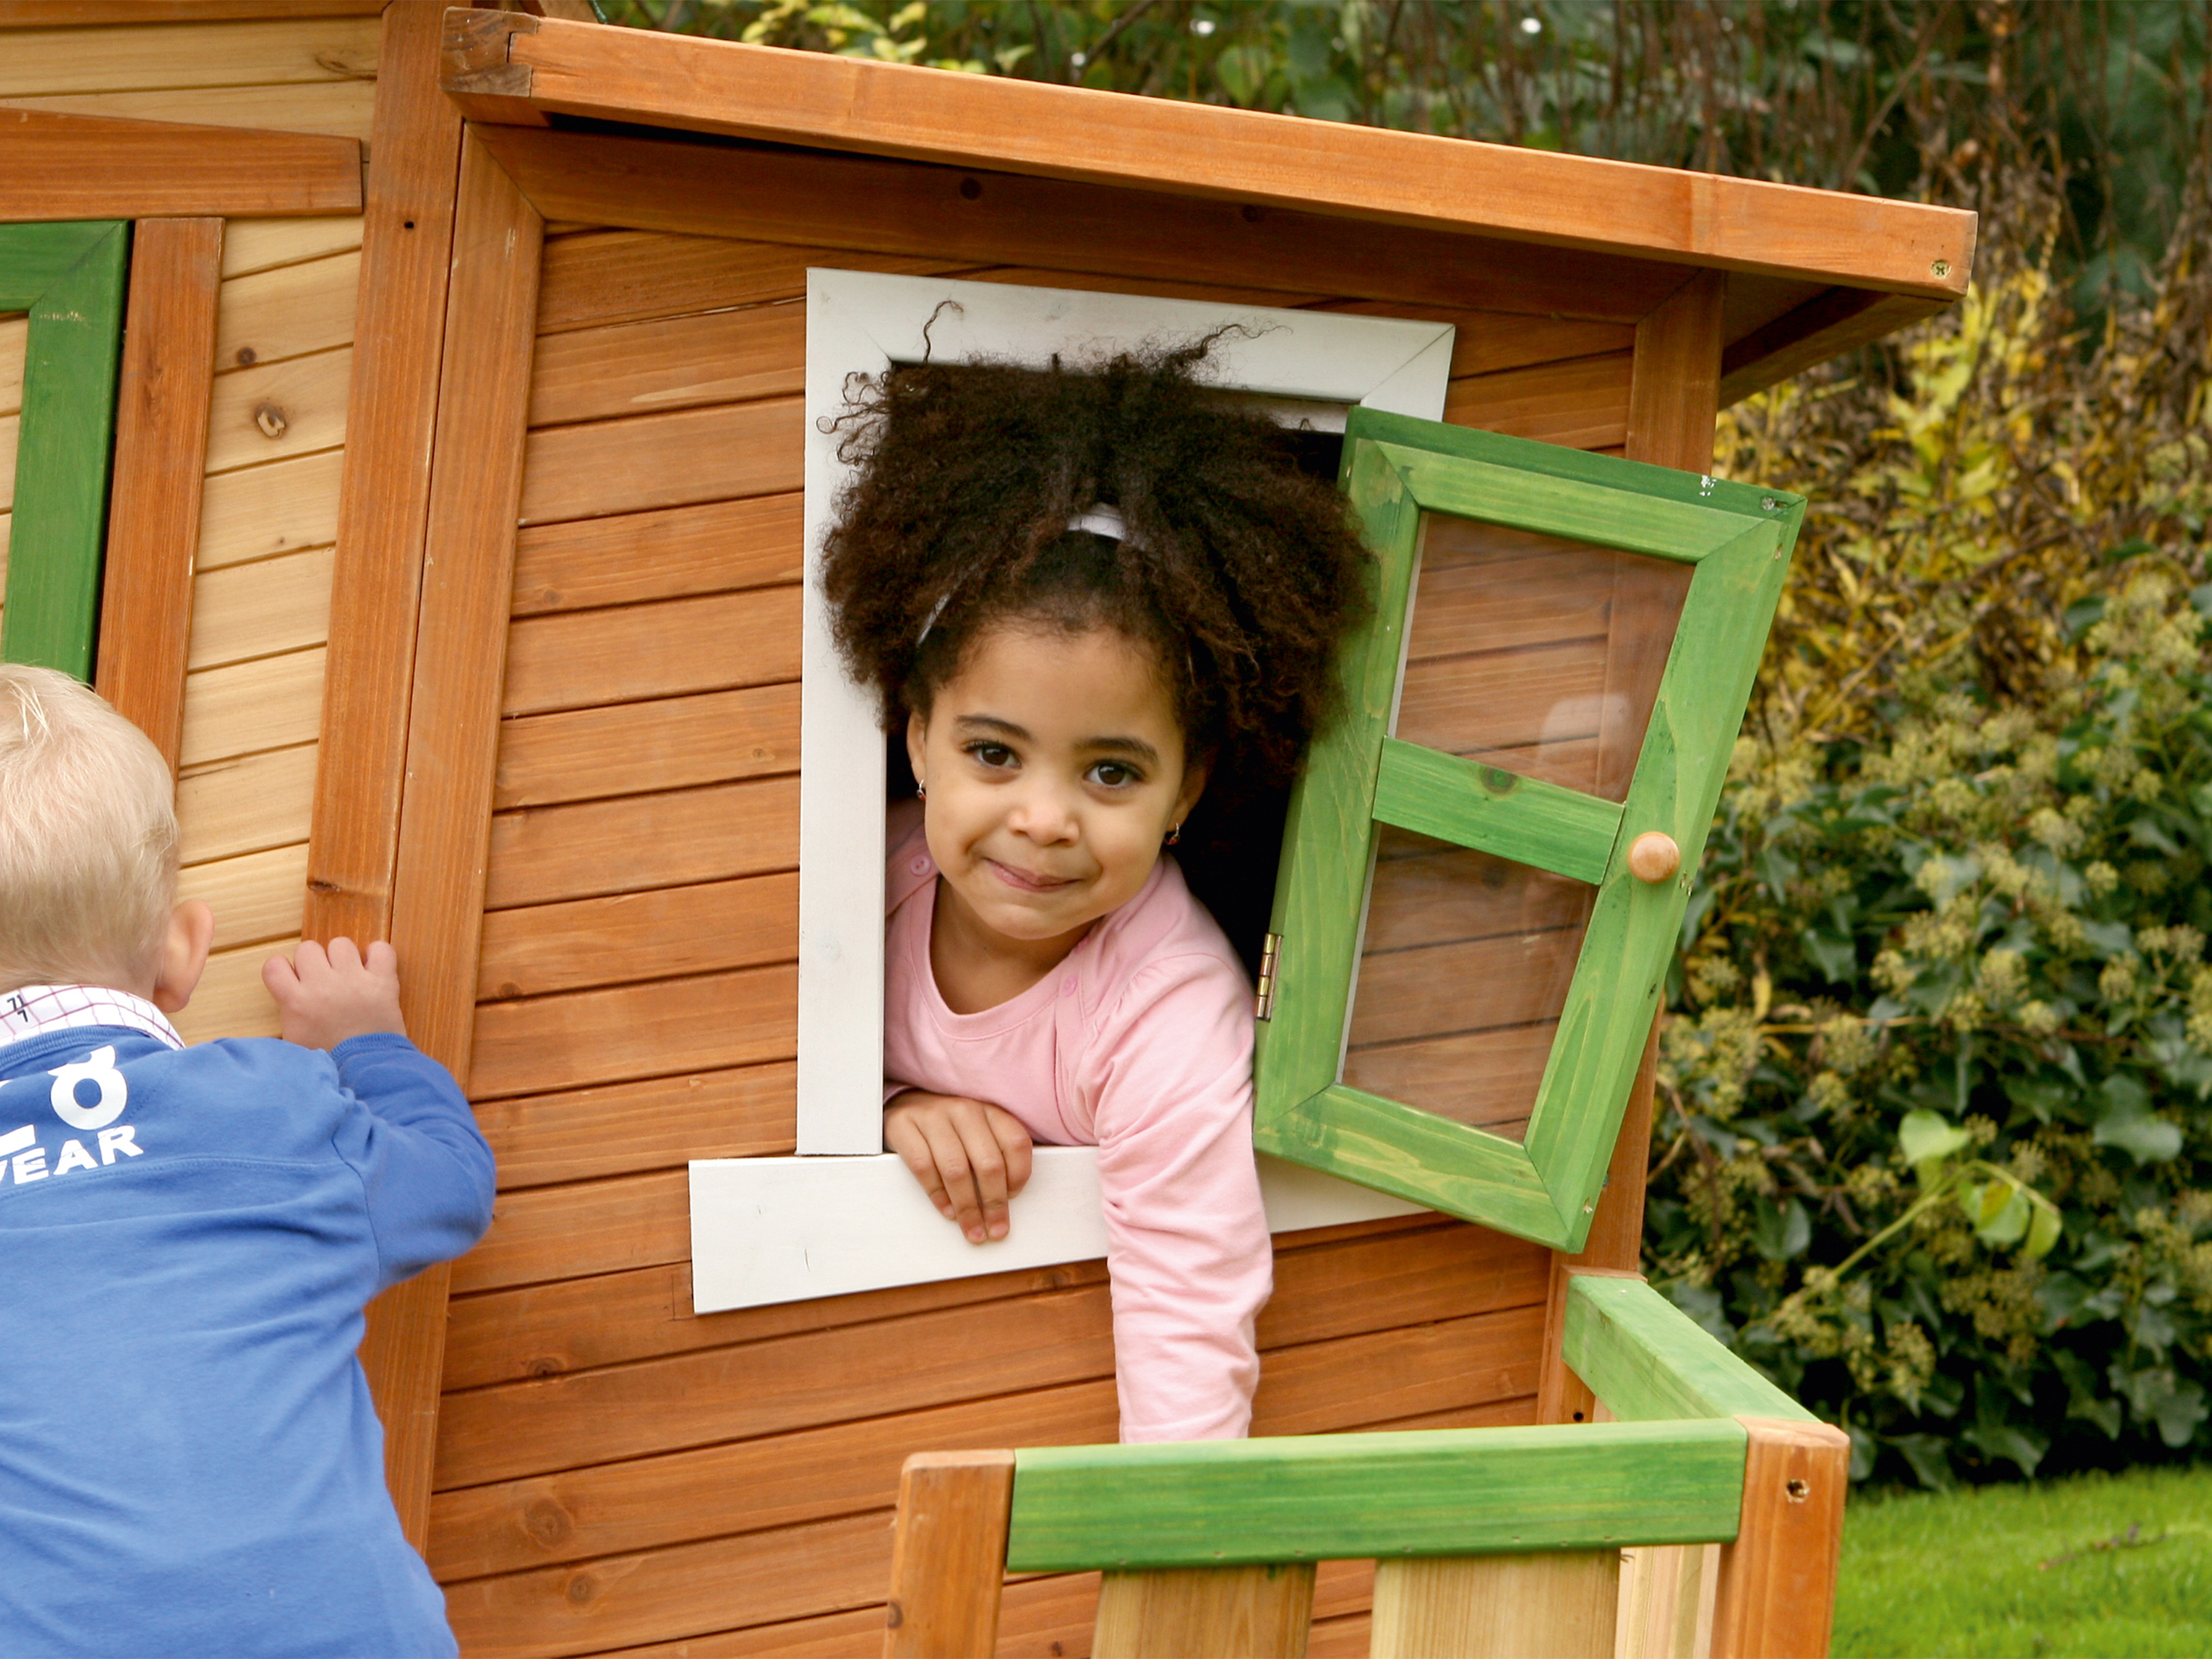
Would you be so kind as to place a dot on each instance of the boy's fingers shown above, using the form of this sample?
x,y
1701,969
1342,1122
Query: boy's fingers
x,y
383,959
281,978
344,955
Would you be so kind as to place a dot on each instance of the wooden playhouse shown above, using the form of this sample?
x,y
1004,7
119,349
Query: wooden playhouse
x,y
462,372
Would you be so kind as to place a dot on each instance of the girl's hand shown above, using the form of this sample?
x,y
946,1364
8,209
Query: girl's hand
x,y
326,996
970,1157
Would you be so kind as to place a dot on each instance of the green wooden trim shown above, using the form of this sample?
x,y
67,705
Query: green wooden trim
x,y
1614,993
1738,539
1561,507
1328,838
67,433
1494,811
33,258
1431,1160
1649,1361
1454,1492
1577,465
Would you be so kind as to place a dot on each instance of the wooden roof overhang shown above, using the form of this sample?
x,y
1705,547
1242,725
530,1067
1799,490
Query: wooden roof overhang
x,y
1811,273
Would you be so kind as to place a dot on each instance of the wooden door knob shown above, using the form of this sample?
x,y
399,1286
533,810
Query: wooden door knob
x,y
1653,856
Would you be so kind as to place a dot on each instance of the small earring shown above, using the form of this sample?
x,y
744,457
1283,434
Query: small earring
x,y
1174,832
920,790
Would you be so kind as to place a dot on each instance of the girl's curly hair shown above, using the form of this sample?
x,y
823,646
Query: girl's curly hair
x,y
1241,571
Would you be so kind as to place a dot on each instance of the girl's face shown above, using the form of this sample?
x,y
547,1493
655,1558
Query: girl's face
x,y
1054,766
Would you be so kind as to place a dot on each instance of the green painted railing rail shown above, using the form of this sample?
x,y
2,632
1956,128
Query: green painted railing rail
x,y
1649,1361
1351,1497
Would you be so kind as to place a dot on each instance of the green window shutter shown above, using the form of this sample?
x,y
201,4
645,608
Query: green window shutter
x,y
71,278
1405,476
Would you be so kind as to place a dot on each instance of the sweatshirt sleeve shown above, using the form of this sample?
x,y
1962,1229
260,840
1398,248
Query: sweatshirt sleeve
x,y
425,1166
1187,1247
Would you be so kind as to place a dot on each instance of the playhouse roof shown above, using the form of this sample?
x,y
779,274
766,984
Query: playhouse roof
x,y
1812,272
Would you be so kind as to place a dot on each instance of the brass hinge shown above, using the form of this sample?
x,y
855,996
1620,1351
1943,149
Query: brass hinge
x,y
1264,1006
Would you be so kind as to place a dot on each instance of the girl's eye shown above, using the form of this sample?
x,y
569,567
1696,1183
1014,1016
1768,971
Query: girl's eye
x,y
1116,774
992,754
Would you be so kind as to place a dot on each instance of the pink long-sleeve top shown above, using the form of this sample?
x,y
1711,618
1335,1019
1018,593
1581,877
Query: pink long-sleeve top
x,y
1139,1043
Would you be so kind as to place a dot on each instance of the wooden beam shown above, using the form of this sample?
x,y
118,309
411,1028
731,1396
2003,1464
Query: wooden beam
x,y
949,1555
1777,1596
101,167
383,507
1649,1361
1253,1612
1827,325
453,734
1199,149
84,14
1561,1604
160,446
817,200
1674,385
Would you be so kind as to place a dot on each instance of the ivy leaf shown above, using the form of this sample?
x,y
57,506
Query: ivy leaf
x,y
1929,1454
2043,1230
2006,1440
2004,1221
1927,1139
2109,939
1833,954
1780,1233
2175,1406
2133,1128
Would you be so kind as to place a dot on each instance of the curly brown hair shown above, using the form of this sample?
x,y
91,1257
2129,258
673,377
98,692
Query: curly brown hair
x,y
1241,571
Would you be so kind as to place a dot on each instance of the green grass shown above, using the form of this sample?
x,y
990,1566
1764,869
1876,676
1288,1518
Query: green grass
x,y
2017,1572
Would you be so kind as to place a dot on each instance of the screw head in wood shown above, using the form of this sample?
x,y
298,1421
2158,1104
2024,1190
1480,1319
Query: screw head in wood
x,y
1653,856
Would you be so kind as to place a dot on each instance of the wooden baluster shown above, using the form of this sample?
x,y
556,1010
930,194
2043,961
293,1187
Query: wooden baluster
x,y
1205,1612
1560,1604
949,1555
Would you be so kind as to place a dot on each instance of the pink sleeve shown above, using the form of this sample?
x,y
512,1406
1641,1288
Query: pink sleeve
x,y
1188,1245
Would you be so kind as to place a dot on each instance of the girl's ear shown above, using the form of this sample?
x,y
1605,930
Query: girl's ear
x,y
916,732
1194,786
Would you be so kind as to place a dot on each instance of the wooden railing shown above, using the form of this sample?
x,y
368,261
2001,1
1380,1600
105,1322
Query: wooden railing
x,y
1487,1542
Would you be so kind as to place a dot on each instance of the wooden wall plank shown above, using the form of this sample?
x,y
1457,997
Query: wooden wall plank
x,y
339,110
256,896
819,200
545,854
168,55
245,803
259,511
737,1018
287,311
671,744
257,609
1486,341
251,244
629,465
1582,403
664,932
26,14
64,159
272,410
708,549
452,722
660,648
269,703
638,368
154,495
580,1134
231,1000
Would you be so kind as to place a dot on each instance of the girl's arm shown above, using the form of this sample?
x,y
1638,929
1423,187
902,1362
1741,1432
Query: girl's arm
x,y
1189,1249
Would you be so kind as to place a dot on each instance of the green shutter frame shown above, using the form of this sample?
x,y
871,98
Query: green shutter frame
x,y
1739,538
71,278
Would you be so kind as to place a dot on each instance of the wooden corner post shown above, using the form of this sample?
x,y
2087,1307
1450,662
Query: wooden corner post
x,y
949,1555
1776,1594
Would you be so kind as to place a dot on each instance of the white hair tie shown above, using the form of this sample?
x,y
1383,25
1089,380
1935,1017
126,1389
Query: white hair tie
x,y
1104,520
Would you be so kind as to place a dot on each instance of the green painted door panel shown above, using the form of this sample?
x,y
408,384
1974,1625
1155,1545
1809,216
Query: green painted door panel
x,y
1728,547
71,278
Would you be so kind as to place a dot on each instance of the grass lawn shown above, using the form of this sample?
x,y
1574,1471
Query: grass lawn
x,y
2024,1571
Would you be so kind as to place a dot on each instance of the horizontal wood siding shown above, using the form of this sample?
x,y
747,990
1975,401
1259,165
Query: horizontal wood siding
x,y
614,1472
277,428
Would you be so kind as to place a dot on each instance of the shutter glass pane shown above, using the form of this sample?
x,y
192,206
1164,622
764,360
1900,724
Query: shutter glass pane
x,y
1539,655
1463,971
1543,657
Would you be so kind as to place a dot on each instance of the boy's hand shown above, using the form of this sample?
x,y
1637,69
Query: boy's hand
x,y
969,1156
330,995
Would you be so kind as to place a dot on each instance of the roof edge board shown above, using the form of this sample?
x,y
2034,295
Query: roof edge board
x,y
1412,179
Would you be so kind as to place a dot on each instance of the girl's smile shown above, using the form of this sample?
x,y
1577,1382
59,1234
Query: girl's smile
x,y
1054,768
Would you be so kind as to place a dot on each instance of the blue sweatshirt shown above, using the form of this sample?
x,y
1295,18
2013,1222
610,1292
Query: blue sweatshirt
x,y
189,1462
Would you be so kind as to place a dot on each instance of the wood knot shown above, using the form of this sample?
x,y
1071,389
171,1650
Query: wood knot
x,y
270,419
547,1522
893,1616
247,356
581,1588
323,885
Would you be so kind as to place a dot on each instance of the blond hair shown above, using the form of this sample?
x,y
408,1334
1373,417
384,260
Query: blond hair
x,y
87,836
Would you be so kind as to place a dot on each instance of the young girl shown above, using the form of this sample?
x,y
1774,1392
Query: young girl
x,y
1095,597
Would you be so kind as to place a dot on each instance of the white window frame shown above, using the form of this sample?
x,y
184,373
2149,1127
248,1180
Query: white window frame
x,y
843,1215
